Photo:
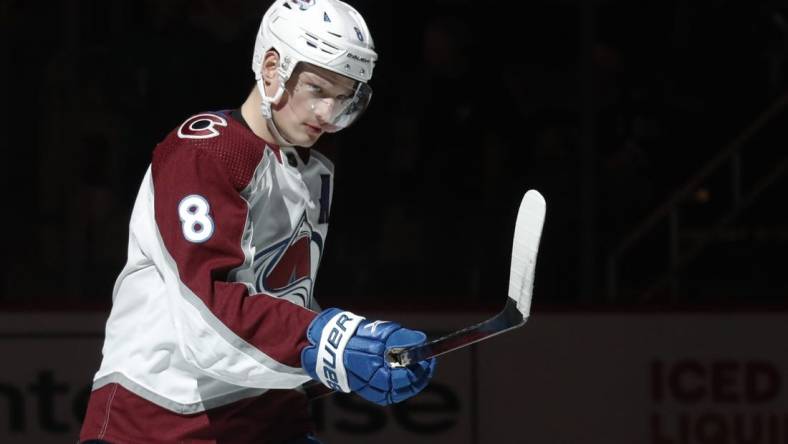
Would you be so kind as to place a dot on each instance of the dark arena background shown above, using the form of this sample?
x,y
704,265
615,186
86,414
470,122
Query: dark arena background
x,y
656,130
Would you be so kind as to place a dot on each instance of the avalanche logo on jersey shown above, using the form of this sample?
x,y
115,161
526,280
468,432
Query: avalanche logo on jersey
x,y
201,126
285,269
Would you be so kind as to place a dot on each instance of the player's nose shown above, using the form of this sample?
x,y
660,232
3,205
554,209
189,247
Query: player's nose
x,y
323,111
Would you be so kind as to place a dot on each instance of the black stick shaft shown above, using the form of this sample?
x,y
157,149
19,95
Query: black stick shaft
x,y
510,317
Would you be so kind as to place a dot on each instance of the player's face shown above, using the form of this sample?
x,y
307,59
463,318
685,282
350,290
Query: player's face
x,y
312,98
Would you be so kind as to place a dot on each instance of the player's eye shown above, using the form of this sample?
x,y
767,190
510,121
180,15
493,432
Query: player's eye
x,y
314,89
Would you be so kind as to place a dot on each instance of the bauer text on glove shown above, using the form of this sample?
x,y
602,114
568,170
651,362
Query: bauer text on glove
x,y
347,353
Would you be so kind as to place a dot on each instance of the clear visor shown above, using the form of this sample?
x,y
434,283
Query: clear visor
x,y
333,105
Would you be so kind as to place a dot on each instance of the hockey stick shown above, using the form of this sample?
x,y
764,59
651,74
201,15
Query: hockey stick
x,y
527,232
525,246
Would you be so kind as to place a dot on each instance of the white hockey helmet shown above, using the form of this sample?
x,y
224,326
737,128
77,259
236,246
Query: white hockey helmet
x,y
327,33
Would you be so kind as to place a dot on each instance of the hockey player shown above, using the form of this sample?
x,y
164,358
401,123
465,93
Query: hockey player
x,y
214,326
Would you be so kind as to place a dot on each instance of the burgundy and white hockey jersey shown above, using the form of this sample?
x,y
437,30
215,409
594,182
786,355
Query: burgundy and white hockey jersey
x,y
210,312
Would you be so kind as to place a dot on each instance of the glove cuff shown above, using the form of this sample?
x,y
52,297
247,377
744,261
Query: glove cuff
x,y
337,329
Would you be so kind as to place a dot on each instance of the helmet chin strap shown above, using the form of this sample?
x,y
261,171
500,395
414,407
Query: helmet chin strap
x,y
268,112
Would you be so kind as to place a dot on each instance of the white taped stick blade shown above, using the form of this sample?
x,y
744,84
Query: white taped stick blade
x,y
527,233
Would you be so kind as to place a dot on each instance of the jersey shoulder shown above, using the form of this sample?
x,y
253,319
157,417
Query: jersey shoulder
x,y
219,137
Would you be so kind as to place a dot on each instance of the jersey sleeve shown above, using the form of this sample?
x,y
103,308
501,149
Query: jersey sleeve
x,y
223,329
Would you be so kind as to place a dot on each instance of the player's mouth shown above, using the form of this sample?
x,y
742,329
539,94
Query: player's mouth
x,y
314,130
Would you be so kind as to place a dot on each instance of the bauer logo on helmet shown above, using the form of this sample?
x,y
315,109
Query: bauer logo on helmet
x,y
350,55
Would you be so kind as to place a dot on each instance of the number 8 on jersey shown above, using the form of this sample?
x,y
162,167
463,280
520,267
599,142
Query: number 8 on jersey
x,y
196,221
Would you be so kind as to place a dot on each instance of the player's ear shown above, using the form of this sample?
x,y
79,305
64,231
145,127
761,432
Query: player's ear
x,y
269,66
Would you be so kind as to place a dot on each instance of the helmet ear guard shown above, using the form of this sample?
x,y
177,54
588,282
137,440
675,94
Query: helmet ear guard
x,y
260,80
329,34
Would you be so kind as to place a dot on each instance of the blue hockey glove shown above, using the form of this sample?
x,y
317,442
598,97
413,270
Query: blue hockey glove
x,y
347,354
